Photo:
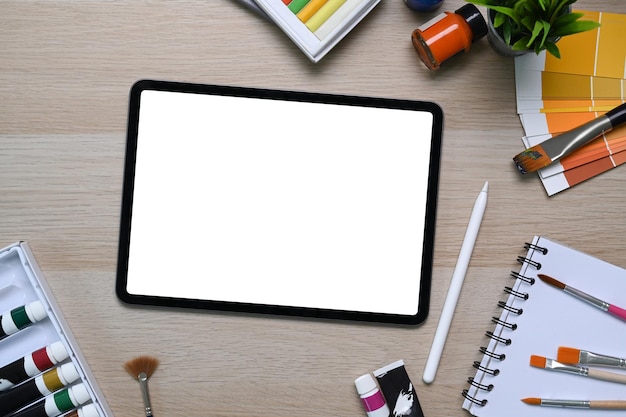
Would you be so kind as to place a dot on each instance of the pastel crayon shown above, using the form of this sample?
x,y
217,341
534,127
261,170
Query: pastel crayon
x,y
338,18
323,14
31,365
296,5
21,317
37,388
58,403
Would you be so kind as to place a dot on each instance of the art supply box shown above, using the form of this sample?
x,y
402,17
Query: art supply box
x,y
316,26
22,283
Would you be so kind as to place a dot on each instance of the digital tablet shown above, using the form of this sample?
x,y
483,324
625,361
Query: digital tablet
x,y
279,202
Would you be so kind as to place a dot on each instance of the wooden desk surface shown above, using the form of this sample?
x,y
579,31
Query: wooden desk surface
x,y
65,71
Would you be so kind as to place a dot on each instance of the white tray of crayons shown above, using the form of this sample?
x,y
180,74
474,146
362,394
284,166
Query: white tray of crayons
x,y
316,26
42,372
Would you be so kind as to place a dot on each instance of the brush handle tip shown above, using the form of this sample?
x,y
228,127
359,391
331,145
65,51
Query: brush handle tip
x,y
617,116
617,312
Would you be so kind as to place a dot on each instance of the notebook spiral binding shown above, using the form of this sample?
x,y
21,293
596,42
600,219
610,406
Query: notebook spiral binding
x,y
499,322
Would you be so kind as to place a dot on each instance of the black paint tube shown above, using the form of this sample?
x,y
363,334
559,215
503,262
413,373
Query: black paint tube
x,y
398,390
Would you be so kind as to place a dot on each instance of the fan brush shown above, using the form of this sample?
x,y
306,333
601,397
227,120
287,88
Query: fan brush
x,y
142,368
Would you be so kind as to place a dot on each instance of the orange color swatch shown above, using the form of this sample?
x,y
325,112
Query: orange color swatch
x,y
556,95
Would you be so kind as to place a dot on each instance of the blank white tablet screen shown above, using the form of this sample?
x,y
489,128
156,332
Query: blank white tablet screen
x,y
279,202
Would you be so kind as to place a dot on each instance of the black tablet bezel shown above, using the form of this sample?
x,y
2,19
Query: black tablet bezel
x,y
128,187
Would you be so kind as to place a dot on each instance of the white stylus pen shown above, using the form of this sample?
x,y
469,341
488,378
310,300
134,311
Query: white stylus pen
x,y
455,285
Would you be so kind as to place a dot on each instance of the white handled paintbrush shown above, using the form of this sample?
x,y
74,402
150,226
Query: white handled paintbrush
x,y
551,150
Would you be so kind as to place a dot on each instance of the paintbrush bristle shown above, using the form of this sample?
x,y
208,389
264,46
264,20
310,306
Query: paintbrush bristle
x,y
532,159
549,280
538,361
568,355
142,364
532,401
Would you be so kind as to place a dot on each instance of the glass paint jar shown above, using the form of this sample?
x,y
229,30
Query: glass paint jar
x,y
448,34
423,5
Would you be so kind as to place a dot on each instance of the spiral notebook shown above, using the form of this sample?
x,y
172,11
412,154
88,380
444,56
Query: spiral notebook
x,y
535,320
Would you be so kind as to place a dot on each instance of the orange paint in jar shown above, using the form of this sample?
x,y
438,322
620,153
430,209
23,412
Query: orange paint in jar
x,y
448,34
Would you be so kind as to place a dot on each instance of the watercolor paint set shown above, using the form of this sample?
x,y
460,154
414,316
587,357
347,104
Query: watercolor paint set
x,y
42,371
316,26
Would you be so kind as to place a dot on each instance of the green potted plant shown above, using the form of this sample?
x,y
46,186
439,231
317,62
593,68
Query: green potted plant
x,y
520,26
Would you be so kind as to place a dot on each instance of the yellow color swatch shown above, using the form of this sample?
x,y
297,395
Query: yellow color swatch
x,y
565,86
577,51
612,46
608,87
600,52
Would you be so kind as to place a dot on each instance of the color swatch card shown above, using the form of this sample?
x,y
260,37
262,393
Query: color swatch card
x,y
601,154
555,95
597,157
316,26
599,52
551,92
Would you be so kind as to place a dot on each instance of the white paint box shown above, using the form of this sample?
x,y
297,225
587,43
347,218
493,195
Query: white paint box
x,y
22,283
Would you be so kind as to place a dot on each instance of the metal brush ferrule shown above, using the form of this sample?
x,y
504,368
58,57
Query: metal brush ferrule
x,y
572,369
591,358
143,383
565,143
565,403
588,298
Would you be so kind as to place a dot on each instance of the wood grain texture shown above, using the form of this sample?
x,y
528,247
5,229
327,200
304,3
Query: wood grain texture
x,y
65,71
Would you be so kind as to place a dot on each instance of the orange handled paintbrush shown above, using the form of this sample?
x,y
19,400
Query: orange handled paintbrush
x,y
551,150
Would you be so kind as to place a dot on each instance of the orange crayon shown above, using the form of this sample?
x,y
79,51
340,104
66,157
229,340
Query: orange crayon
x,y
310,9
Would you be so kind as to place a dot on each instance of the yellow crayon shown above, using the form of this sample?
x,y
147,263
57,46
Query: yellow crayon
x,y
323,14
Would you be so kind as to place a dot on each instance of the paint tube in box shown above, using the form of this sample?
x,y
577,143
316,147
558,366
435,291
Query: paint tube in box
x,y
398,390
31,365
21,317
37,388
58,403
